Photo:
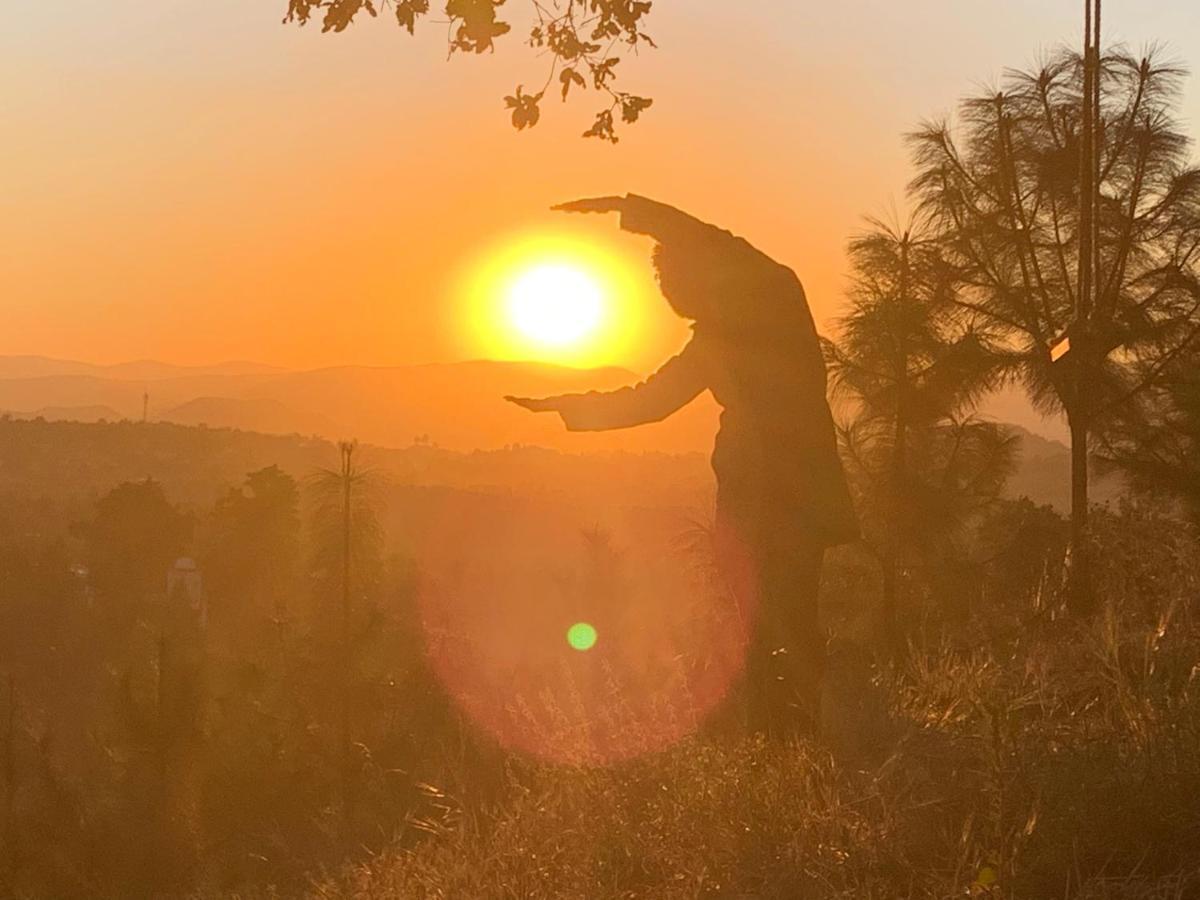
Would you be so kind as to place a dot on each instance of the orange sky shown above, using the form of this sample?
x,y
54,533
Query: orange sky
x,y
196,182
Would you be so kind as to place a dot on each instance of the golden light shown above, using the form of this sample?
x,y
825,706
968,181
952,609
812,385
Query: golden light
x,y
559,297
556,304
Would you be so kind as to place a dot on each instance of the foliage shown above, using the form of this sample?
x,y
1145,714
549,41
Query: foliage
x,y
1003,192
252,541
956,470
330,492
1038,762
927,790
1004,195
131,542
899,354
1159,445
585,40
920,467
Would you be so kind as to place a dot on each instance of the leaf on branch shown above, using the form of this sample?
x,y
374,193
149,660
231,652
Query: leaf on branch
x,y
340,13
632,107
603,72
564,41
299,11
619,17
575,34
477,24
407,12
603,127
525,112
567,77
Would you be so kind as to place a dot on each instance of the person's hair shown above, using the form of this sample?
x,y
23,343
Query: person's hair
x,y
687,280
727,285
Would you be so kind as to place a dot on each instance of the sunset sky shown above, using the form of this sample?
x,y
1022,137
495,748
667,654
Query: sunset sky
x,y
194,181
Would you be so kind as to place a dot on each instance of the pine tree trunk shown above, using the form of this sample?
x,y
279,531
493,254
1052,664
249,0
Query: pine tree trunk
x,y
344,650
899,475
892,562
1080,598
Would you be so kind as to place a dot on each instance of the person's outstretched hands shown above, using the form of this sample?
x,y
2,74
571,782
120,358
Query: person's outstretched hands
x,y
535,404
591,205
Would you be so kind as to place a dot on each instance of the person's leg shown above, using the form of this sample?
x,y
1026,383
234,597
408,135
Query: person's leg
x,y
773,573
791,649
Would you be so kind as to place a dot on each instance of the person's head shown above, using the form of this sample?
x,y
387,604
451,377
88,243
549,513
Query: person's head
x,y
725,283
686,280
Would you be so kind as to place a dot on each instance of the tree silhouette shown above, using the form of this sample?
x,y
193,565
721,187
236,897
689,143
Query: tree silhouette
x,y
253,546
585,40
1004,192
347,538
1159,445
919,465
134,537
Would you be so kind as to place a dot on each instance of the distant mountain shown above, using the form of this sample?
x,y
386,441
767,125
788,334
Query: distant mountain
x,y
265,416
139,370
1043,474
1010,405
456,405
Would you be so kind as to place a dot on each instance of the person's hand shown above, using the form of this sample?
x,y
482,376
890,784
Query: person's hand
x,y
592,205
533,404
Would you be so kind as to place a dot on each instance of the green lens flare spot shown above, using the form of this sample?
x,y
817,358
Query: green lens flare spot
x,y
581,636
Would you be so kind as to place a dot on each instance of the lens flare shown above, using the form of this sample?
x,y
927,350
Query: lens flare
x,y
494,584
581,636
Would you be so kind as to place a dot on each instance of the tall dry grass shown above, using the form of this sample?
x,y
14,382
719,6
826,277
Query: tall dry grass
x,y
1028,755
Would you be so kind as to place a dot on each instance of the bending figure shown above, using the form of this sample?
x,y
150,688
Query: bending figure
x,y
782,497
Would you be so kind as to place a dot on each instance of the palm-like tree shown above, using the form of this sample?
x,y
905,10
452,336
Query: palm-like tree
x,y
1003,193
910,374
346,541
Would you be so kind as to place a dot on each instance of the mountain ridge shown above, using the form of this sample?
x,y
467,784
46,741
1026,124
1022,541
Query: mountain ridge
x,y
458,405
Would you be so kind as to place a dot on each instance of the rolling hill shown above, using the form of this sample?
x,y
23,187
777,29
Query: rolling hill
x,y
455,407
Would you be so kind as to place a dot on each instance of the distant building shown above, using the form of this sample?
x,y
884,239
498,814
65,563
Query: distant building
x,y
185,591
82,577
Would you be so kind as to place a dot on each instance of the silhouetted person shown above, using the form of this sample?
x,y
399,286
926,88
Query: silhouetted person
x,y
781,492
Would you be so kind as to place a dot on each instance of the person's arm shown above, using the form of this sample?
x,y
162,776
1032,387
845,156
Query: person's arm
x,y
672,387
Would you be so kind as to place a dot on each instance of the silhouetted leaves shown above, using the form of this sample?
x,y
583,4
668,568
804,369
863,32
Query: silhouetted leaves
x,y
130,542
603,127
564,40
567,77
340,13
1157,444
1004,194
299,11
524,108
477,25
407,12
631,107
602,72
580,35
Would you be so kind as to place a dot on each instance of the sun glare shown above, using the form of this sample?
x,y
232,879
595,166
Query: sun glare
x,y
556,305
557,299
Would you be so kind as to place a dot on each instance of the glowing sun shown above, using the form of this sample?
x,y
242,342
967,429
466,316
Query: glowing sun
x,y
558,298
555,304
